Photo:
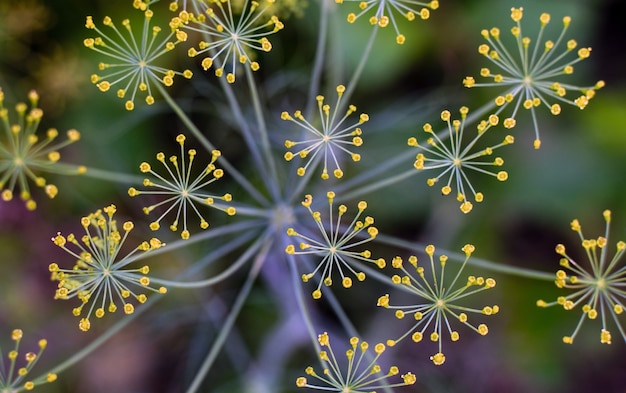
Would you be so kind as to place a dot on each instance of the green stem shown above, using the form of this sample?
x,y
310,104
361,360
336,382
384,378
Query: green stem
x,y
369,187
220,277
478,262
318,64
93,345
251,211
303,181
356,75
232,316
244,127
295,280
241,179
265,144
115,177
206,235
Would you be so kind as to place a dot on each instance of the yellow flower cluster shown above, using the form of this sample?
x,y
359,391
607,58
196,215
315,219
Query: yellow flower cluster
x,y
24,154
100,277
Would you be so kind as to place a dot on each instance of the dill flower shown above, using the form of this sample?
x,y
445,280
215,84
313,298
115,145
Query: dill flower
x,y
23,156
336,245
229,39
359,377
181,192
383,12
14,379
330,139
530,74
458,158
143,4
132,68
180,5
100,276
440,300
598,287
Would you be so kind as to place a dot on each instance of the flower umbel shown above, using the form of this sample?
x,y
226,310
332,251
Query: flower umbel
x,y
440,300
332,138
133,67
336,245
100,276
358,377
14,379
384,12
23,155
598,288
530,75
456,159
182,194
230,39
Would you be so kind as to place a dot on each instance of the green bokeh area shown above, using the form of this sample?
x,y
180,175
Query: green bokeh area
x,y
578,172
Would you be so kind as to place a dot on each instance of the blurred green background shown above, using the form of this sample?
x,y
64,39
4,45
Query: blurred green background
x,y
577,173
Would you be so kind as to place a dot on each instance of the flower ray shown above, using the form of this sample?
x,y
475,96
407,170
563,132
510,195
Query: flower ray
x,y
440,300
594,288
334,248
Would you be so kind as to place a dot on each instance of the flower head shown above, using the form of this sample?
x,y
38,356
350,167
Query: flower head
x,y
598,287
14,379
459,157
440,300
336,245
132,68
228,39
530,72
100,276
331,138
23,156
360,376
382,12
181,192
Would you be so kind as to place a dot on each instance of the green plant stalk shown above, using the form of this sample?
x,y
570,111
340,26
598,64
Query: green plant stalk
x,y
318,64
113,177
243,258
93,345
356,75
208,234
265,144
232,316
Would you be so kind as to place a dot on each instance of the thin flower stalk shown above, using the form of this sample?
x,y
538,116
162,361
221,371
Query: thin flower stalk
x,y
531,73
598,288
440,300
